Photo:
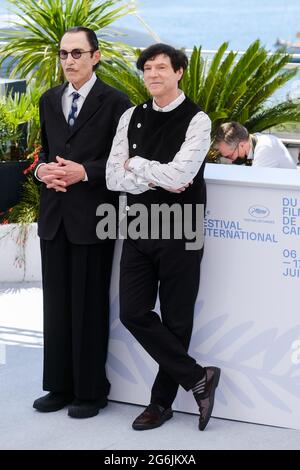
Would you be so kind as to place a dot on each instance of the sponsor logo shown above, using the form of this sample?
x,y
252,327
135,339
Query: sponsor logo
x,y
259,212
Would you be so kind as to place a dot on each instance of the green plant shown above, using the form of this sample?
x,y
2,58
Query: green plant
x,y
231,89
32,50
25,109
122,74
26,211
7,131
19,125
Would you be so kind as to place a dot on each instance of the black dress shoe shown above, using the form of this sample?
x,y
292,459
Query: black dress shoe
x,y
86,408
206,399
152,417
53,401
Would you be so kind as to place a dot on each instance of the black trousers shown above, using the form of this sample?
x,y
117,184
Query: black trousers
x,y
76,280
149,267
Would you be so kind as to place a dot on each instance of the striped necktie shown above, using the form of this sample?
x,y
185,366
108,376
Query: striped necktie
x,y
74,110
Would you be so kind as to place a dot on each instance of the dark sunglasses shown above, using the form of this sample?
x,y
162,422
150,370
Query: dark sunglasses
x,y
75,53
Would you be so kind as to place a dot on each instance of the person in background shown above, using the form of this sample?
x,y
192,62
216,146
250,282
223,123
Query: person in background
x,y
158,158
78,123
234,142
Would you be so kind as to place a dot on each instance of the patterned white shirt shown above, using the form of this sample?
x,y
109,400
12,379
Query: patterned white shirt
x,y
173,175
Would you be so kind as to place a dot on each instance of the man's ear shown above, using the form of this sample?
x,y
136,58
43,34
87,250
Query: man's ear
x,y
97,56
180,73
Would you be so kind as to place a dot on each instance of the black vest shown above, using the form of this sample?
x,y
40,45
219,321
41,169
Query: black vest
x,y
156,135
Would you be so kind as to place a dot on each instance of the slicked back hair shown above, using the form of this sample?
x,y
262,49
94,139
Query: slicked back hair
x,y
232,133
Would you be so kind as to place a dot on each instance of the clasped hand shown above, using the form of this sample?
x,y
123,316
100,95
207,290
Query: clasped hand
x,y
59,175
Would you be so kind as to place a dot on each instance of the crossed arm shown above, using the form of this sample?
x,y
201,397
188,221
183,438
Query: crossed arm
x,y
137,175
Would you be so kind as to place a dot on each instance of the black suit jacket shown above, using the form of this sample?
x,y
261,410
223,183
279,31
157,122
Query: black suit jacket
x,y
89,143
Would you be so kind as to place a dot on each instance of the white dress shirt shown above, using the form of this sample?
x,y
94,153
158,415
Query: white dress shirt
x,y
141,172
67,96
271,152
66,102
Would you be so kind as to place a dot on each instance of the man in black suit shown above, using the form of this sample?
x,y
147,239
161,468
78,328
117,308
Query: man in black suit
x,y
78,123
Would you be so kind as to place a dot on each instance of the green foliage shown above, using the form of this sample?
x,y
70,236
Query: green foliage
x,y
238,89
33,50
18,114
26,211
31,102
123,75
7,131
287,112
192,80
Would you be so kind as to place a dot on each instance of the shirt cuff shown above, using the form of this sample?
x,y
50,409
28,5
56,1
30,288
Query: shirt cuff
x,y
36,171
85,177
135,164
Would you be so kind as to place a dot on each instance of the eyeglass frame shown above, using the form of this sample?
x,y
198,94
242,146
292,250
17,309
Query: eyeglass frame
x,y
76,51
237,147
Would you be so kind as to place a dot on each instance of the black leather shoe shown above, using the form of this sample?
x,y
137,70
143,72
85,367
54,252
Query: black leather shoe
x,y
152,417
206,399
86,408
53,401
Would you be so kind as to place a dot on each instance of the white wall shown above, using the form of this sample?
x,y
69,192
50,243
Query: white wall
x,y
19,253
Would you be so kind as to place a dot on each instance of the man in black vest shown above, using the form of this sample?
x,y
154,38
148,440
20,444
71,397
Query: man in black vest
x,y
78,122
158,158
